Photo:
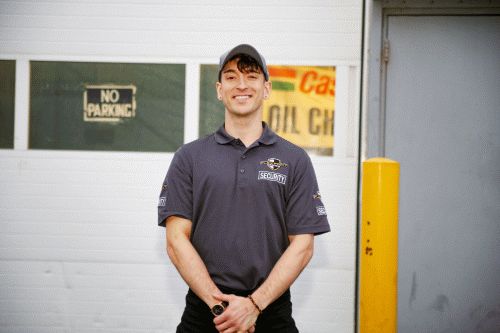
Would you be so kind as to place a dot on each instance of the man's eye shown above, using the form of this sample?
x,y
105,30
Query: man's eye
x,y
230,77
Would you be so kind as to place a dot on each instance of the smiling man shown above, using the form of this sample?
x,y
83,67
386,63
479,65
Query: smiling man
x,y
241,208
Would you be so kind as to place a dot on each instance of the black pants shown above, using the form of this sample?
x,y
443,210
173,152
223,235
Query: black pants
x,y
276,318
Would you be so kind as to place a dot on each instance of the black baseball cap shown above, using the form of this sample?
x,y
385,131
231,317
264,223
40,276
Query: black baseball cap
x,y
248,50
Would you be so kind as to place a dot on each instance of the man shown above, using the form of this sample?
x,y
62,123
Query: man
x,y
241,208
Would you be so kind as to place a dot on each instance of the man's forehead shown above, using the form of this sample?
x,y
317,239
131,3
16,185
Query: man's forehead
x,y
232,66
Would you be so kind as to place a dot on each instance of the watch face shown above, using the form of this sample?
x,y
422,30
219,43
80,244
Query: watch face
x,y
217,309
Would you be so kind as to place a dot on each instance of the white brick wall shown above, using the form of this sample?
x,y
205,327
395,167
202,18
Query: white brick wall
x,y
318,30
79,247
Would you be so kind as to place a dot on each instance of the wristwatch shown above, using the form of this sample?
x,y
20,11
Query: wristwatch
x,y
218,309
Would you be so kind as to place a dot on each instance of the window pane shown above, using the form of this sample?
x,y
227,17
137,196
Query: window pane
x,y
7,89
107,106
301,107
211,109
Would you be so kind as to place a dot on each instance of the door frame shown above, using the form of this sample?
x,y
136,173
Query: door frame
x,y
374,78
374,81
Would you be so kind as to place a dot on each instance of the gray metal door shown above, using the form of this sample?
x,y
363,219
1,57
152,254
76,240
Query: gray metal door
x,y
442,123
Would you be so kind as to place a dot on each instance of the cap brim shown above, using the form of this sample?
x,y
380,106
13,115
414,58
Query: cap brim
x,y
248,50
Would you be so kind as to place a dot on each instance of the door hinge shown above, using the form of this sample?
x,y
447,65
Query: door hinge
x,y
385,51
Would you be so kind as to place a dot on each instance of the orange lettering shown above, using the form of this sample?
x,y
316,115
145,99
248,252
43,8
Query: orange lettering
x,y
322,87
303,82
332,90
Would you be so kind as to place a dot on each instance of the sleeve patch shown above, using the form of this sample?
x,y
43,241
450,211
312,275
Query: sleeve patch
x,y
320,210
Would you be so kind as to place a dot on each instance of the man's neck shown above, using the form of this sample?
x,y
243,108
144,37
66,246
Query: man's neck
x,y
248,130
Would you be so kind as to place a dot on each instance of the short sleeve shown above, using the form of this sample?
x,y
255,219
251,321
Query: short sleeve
x,y
305,212
176,196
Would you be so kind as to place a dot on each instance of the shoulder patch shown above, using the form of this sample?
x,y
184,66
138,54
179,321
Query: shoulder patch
x,y
320,210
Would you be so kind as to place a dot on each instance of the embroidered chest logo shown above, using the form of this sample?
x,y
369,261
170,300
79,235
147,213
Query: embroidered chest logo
x,y
272,177
274,163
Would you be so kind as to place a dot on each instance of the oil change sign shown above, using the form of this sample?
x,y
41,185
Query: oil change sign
x,y
109,102
301,105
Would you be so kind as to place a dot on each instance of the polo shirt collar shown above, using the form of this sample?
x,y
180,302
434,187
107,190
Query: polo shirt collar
x,y
222,137
268,137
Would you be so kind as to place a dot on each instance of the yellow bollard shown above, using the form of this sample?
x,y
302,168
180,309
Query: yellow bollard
x,y
379,246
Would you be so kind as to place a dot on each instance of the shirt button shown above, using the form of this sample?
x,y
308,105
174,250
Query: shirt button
x,y
242,170
243,156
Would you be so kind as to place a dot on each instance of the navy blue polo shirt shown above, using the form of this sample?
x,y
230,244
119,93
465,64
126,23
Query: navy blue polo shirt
x,y
243,203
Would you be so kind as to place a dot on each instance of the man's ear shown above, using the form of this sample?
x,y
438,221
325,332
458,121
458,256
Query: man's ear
x,y
218,90
268,87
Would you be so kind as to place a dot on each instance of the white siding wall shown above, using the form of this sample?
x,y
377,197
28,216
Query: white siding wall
x,y
79,247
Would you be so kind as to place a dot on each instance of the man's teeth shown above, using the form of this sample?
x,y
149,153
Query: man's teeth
x,y
242,97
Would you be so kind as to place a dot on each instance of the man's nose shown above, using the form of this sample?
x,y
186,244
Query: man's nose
x,y
242,83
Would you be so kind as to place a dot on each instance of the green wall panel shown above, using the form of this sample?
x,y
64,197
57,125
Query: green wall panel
x,y
7,95
61,118
211,109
